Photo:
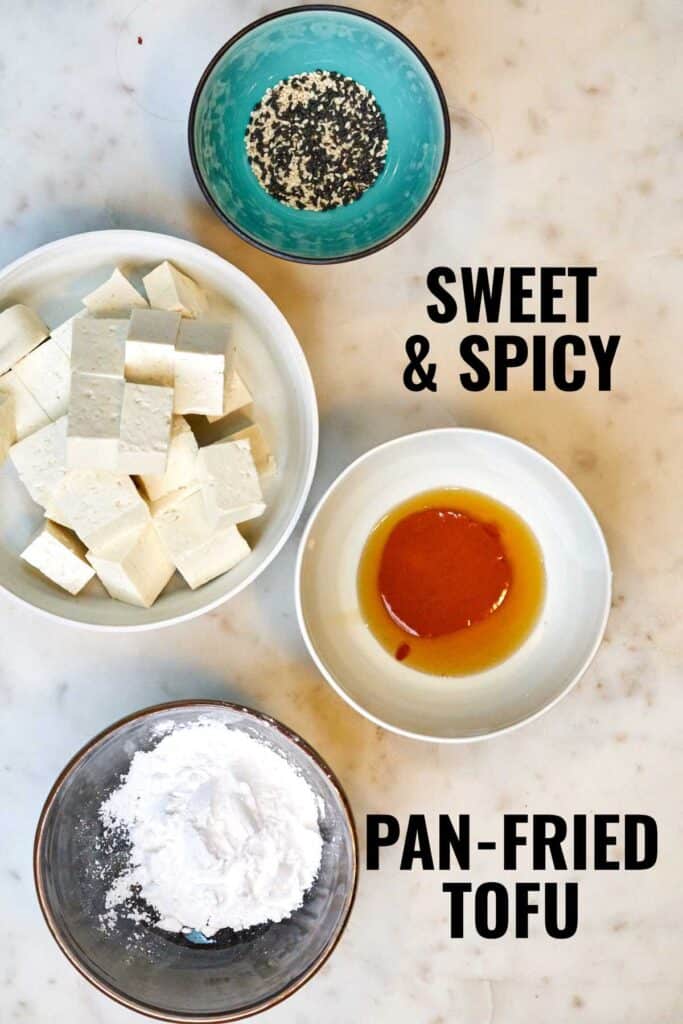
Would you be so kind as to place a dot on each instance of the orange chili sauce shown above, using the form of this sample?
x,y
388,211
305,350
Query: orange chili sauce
x,y
451,582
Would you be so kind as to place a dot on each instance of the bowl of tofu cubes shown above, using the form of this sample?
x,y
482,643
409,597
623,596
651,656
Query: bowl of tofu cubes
x,y
158,430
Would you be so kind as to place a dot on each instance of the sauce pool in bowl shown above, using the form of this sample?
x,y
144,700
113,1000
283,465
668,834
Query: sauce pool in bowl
x,y
451,582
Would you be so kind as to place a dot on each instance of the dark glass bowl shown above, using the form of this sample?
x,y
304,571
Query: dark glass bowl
x,y
153,971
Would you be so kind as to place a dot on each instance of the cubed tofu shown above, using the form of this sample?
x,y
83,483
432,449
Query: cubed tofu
x,y
62,335
260,452
46,373
168,288
8,425
204,356
28,415
134,567
98,506
181,468
59,556
236,395
99,346
40,461
230,485
198,550
150,347
145,429
21,330
94,422
116,296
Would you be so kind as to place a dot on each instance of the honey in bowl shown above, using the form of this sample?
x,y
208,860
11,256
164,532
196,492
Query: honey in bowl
x,y
451,582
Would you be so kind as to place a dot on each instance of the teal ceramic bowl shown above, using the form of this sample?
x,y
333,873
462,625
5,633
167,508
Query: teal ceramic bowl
x,y
302,39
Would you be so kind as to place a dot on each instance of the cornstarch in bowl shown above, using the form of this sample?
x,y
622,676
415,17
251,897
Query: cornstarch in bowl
x,y
221,831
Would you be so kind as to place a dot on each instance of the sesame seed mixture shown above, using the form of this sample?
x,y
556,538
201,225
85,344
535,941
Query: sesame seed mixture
x,y
317,140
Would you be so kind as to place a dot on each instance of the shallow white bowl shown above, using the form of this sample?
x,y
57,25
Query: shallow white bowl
x,y
52,280
453,709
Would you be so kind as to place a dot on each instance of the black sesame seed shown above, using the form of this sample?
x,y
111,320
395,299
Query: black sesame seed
x,y
317,140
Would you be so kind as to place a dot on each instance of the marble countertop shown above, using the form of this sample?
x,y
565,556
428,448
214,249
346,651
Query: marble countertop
x,y
567,149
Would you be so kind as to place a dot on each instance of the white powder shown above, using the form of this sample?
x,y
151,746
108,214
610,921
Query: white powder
x,y
223,831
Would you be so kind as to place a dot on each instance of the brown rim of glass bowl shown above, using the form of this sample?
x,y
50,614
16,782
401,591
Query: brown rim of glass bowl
x,y
131,1004
271,250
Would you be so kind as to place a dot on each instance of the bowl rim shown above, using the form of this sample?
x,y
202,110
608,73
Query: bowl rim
x,y
118,237
329,676
281,253
132,1004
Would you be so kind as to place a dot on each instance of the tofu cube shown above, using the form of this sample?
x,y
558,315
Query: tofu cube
x,y
145,429
59,556
181,468
134,567
236,395
230,484
21,330
28,415
260,452
8,429
98,506
116,295
150,347
94,422
204,358
198,550
62,335
99,347
168,288
40,461
46,373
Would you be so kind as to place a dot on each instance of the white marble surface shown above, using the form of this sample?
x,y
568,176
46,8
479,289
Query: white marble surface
x,y
567,148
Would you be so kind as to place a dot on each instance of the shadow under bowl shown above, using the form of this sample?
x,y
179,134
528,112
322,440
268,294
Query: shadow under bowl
x,y
152,971
304,39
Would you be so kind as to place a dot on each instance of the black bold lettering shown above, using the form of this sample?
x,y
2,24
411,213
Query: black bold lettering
x,y
490,292
512,839
633,824
571,910
451,841
560,376
545,844
449,307
380,830
479,380
505,359
518,293
416,844
457,892
583,276
523,908
549,293
501,910
604,357
603,840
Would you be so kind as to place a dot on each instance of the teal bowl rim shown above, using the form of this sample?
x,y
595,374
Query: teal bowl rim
x,y
282,254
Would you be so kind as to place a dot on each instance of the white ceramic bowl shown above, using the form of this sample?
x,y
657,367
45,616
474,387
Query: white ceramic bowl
x,y
463,708
52,280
